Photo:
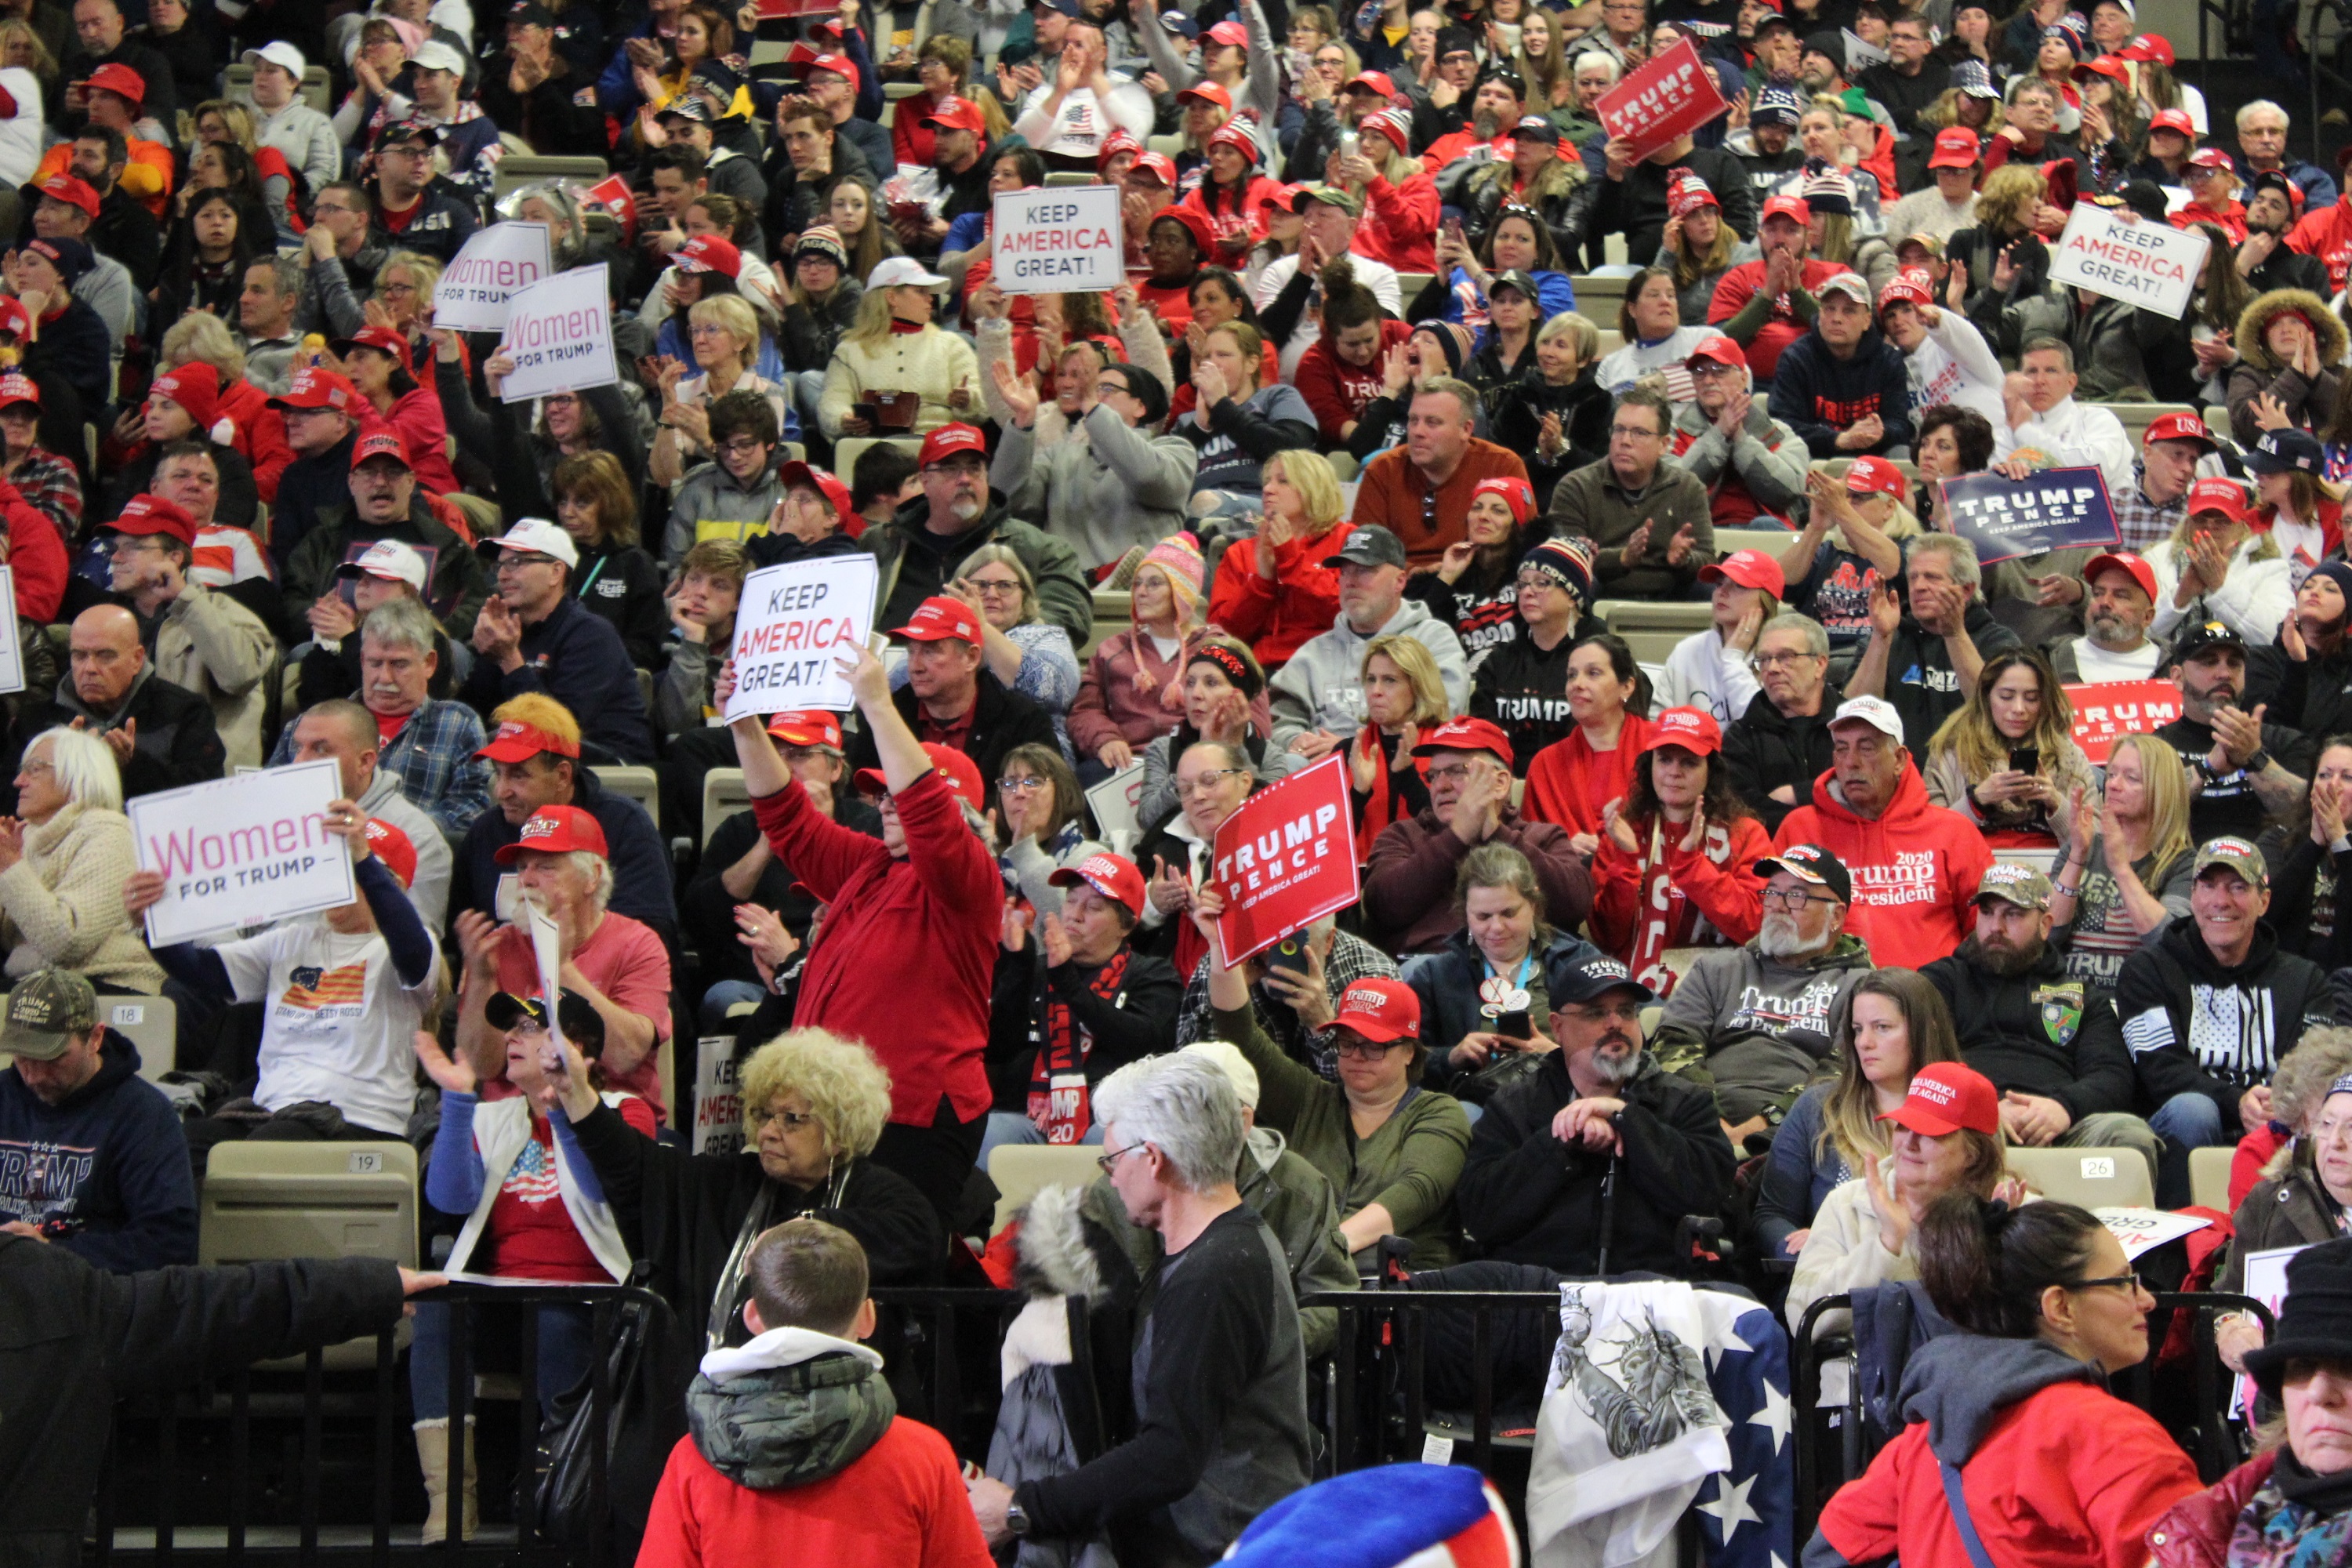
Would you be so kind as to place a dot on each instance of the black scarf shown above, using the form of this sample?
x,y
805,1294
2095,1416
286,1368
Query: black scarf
x,y
2324,1494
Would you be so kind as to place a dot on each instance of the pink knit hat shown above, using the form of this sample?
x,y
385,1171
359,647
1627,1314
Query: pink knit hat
x,y
1178,556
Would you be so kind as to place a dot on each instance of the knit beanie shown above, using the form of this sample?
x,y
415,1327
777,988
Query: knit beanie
x,y
2338,573
1568,561
823,240
1178,556
1829,191
1453,338
1243,673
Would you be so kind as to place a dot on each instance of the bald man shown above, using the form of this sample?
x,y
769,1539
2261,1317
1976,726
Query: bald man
x,y
347,733
162,735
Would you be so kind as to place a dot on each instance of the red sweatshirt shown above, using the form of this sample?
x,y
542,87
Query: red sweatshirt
x,y
1914,868
909,948
36,558
1399,224
1338,391
1782,327
1570,782
2326,233
260,435
1718,884
1275,617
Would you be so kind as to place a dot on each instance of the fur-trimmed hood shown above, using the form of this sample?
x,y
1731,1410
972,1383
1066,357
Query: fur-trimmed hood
x,y
1054,1256
2267,308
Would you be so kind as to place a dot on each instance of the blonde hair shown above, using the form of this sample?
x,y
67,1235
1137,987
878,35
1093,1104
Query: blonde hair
x,y
1309,473
1976,741
539,712
872,328
1252,344
202,338
1573,325
734,312
2008,197
1419,667
44,65
2167,783
234,116
848,1090
423,269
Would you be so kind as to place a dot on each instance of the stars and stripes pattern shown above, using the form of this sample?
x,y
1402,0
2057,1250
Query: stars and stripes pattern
x,y
1749,1511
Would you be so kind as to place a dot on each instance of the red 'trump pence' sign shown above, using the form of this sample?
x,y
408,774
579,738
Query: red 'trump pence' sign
x,y
1670,97
2108,711
1285,857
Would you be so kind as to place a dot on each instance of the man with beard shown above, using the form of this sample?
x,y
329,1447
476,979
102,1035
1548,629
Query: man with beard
x,y
2051,1044
1769,147
1782,744
1495,110
1757,1023
921,547
1599,1127
2242,771
2274,205
2120,603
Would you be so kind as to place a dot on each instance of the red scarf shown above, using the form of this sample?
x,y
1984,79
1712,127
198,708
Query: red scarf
x,y
1058,1101
899,329
1663,918
1384,805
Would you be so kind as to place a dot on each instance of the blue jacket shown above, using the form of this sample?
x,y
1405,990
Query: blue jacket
x,y
577,658
1447,983
111,1155
2317,186
1817,395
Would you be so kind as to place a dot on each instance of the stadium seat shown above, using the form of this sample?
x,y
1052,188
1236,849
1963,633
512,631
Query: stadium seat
x,y
2040,861
1599,297
1018,1170
2209,1177
310,1200
1654,648
641,785
1112,610
2137,417
1056,178
1344,467
516,170
2094,1178
1168,146
1609,340
1680,617
148,1022
723,795
895,91
1411,284
1769,541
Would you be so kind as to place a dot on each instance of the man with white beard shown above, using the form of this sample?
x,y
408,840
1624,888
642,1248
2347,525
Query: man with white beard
x,y
1756,1023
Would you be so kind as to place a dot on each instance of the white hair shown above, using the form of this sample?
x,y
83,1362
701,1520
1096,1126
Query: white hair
x,y
1182,1105
2256,107
1600,58
1959,555
401,622
85,767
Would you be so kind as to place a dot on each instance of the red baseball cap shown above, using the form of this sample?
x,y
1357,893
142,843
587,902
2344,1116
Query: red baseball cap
x,y
1158,165
1956,148
1379,1010
806,727
517,742
799,473
1207,91
1231,33
557,830
2147,46
2174,120
2123,561
1466,736
1114,876
2112,66
17,387
1748,569
708,253
1908,289
72,192
2179,427
960,772
1693,729
121,79
382,444
1719,349
315,388
154,514
391,845
957,114
1946,1097
1372,81
2211,158
1786,206
948,440
942,620
386,340
15,318
1875,475
2227,497
837,64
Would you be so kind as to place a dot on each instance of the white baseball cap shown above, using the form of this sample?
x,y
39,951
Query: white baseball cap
x,y
390,560
437,56
538,536
902,272
1233,1065
1875,712
279,52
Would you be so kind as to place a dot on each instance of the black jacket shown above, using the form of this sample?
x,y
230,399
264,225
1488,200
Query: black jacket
x,y
444,219
560,117
1139,1022
1920,680
73,1338
2306,917
1636,206
681,1213
307,489
77,346
2228,805
1001,720
576,657
125,230
1819,396
2265,1002
1524,689
1516,410
1764,749
1447,982
459,579
178,742
2312,694
2039,1033
1529,1198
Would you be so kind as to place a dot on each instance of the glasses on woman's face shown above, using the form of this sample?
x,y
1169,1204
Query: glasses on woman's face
x,y
1207,782
2111,1282
993,587
1364,1050
702,330
1028,786
792,1121
391,290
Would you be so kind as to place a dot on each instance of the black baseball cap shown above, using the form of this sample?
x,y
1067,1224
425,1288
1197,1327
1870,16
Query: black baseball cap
x,y
1811,863
2203,637
581,1023
2287,452
1368,544
531,13
1595,977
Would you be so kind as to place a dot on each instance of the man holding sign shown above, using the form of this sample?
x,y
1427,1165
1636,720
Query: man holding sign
x,y
343,993
949,699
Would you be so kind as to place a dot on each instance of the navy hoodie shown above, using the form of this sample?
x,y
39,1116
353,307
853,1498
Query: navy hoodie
x,y
111,1156
576,657
1818,394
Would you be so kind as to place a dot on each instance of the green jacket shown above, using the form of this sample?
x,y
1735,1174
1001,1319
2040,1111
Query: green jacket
x,y
1409,1166
914,569
791,1407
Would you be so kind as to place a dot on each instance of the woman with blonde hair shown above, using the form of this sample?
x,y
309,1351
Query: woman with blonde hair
x,y
260,435
2006,205
1130,695
1273,590
2124,859
813,1108
1404,696
64,858
850,211
2006,759
1700,248
726,337
896,346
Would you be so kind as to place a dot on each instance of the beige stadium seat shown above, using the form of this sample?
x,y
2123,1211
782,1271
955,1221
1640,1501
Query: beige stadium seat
x,y
1168,146
2094,1178
1344,467
1680,617
640,783
1411,284
1018,1170
1598,297
2209,1176
1608,341
1057,178
2136,418
1771,540
262,1201
317,90
517,170
769,52
723,795
2040,861
1653,647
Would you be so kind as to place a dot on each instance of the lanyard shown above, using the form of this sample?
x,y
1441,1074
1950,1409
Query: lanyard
x,y
588,582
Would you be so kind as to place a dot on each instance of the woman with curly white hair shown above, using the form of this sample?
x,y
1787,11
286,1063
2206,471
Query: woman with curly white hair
x,y
63,860
813,1107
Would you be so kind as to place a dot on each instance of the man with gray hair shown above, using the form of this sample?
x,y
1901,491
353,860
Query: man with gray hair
x,y
1220,1369
1782,744
1924,660
265,317
2046,429
2262,150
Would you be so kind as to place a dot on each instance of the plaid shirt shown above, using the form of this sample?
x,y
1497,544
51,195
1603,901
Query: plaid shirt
x,y
1352,959
433,756
2143,524
49,483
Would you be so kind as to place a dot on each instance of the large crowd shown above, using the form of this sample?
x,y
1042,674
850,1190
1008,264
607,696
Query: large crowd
x,y
1791,930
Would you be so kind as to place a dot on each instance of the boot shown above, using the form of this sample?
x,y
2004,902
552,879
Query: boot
x,y
432,1459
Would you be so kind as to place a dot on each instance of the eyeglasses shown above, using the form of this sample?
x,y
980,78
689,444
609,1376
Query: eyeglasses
x,y
1203,784
518,560
1022,786
2111,1282
1455,773
1780,660
391,287
1107,1161
793,1121
1631,434
957,471
742,447
988,587
32,770
1365,1050
1793,900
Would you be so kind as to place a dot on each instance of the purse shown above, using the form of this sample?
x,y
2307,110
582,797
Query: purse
x,y
642,1420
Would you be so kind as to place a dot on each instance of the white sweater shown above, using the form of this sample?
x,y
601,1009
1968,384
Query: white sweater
x,y
1954,364
1703,672
2074,436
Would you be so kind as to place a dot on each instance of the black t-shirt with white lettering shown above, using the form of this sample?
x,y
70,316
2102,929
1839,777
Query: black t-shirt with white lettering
x,y
2228,805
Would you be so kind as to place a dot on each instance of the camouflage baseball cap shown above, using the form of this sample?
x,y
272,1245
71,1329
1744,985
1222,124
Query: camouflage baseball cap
x,y
47,1006
2021,885
2235,853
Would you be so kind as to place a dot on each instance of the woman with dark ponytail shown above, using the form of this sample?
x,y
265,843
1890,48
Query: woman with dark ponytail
x,y
2015,1453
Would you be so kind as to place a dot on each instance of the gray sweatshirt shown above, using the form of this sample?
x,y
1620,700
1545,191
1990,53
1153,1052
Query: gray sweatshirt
x,y
1755,1028
1104,486
1322,687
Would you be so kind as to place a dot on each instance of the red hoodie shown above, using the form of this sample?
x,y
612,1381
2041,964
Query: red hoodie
x,y
1275,617
36,558
1915,868
2326,233
1399,224
1338,391
1570,782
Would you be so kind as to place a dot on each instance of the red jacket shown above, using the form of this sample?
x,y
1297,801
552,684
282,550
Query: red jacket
x,y
418,418
2232,221
1781,327
1275,617
909,945
2326,233
1399,224
2254,1150
1229,220
1570,782
36,558
2196,1534
260,435
1717,882
900,1504
2069,1476
1915,868
1339,392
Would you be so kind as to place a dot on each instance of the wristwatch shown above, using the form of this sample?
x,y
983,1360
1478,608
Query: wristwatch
x,y
1016,1520
2259,761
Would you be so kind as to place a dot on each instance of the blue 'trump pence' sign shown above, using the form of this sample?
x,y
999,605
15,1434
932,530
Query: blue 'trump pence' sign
x,y
2058,508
